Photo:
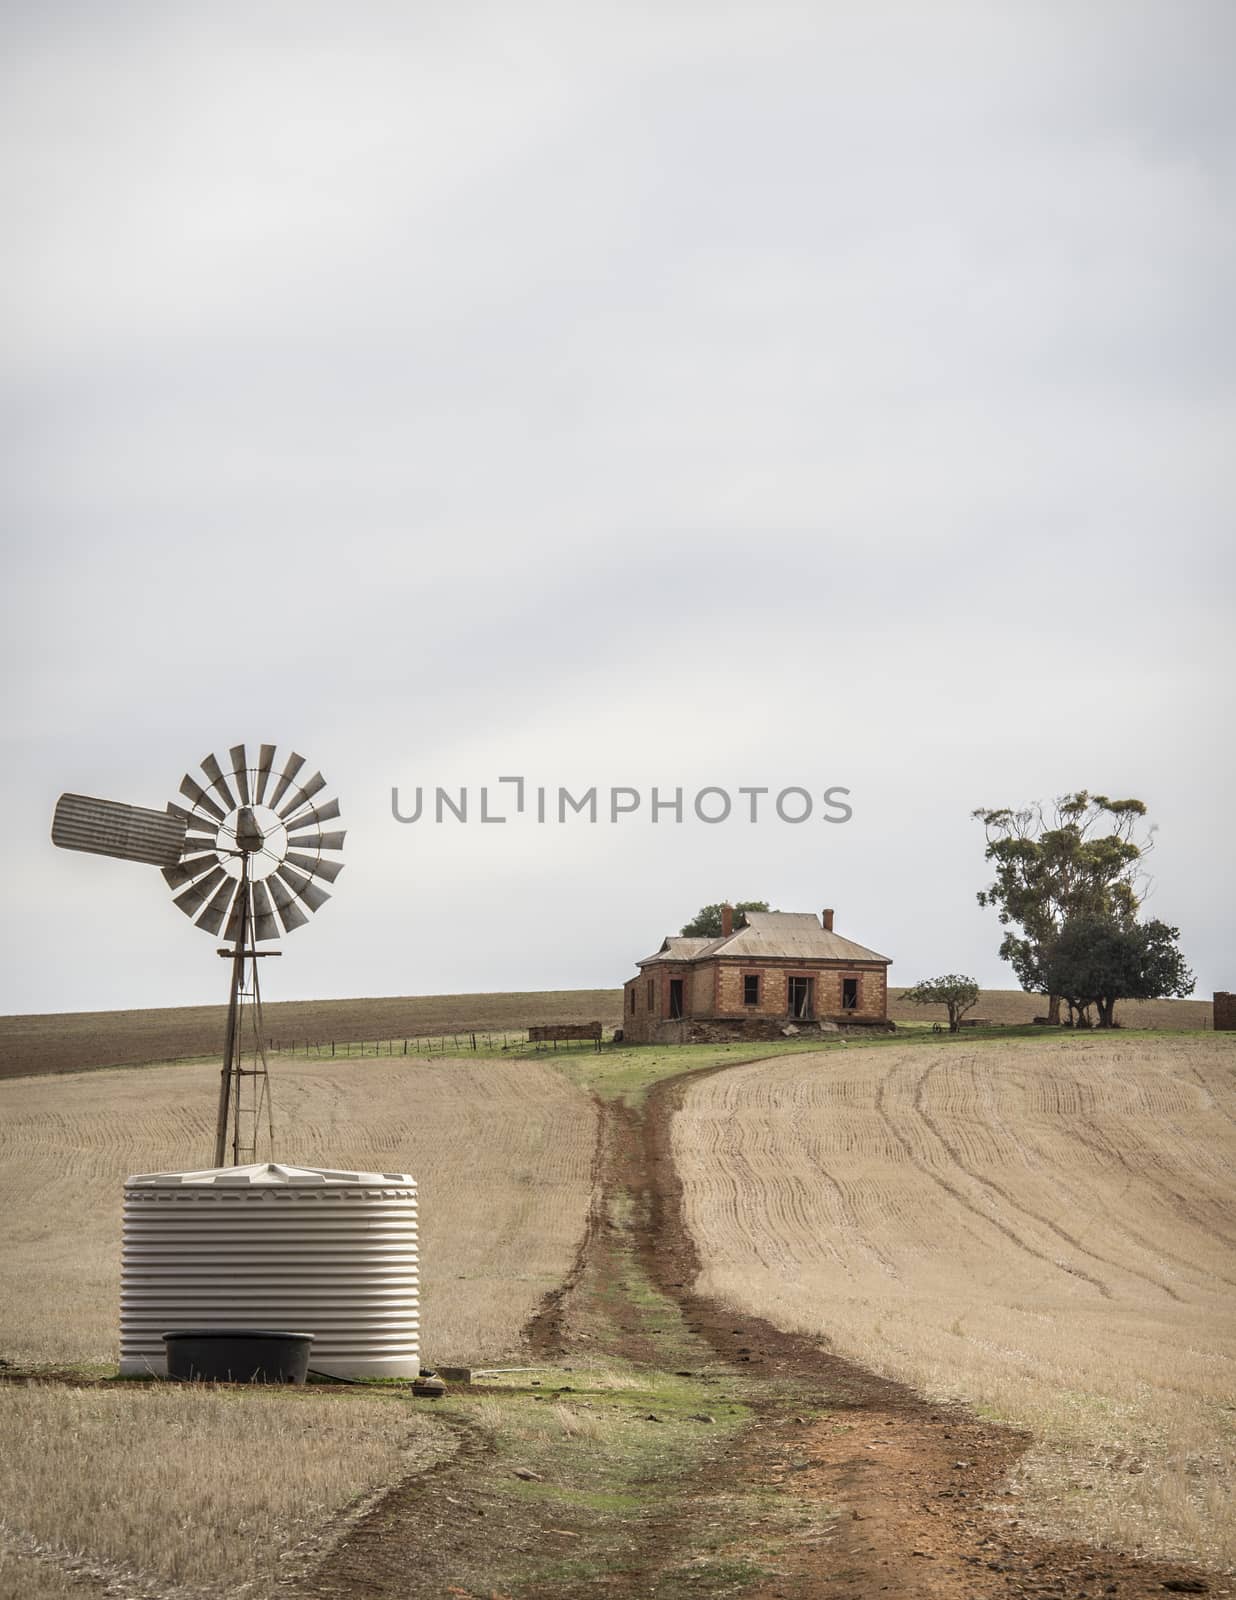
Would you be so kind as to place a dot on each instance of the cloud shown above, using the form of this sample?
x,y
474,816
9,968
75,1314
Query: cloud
x,y
630,390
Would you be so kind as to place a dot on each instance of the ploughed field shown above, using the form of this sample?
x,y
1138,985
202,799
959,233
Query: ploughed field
x,y
73,1040
502,1153
1044,1229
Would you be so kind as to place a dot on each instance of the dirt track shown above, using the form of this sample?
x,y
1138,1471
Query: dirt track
x,y
906,1498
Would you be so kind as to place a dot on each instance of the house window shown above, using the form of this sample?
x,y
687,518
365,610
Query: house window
x,y
632,997
849,994
675,997
799,995
751,988
652,994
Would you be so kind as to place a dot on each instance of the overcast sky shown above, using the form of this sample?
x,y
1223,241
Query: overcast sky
x,y
767,395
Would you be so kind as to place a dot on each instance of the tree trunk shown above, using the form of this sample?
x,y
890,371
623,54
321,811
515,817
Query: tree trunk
x,y
1053,1009
1107,1012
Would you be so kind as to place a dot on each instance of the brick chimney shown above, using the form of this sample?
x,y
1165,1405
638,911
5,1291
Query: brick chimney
x,y
826,917
727,921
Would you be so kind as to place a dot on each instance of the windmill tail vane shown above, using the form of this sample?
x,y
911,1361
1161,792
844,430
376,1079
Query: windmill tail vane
x,y
246,857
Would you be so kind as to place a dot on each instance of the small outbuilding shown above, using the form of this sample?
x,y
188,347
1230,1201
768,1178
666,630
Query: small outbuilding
x,y
783,971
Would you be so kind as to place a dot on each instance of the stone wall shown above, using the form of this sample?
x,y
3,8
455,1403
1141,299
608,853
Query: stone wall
x,y
774,988
1225,1011
712,992
646,1000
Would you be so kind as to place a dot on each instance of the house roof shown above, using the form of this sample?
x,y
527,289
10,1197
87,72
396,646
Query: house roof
x,y
677,949
798,935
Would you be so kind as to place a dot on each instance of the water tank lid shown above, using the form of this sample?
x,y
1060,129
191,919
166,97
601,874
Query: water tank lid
x,y
265,1173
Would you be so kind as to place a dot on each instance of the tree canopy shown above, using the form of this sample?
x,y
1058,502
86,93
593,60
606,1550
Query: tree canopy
x,y
706,923
1095,962
1079,858
954,991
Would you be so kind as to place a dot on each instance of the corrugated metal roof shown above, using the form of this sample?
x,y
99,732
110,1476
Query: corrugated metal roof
x,y
676,948
109,828
798,935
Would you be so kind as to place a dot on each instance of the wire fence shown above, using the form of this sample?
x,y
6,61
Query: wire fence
x,y
480,1041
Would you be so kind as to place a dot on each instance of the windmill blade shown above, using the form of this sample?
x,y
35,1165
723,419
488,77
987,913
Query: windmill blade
x,y
110,828
266,757
264,924
214,772
190,868
196,821
293,917
315,785
240,771
319,841
192,790
232,932
220,903
314,814
199,842
195,897
316,866
304,888
291,767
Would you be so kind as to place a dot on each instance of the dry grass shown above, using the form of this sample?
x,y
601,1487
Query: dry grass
x,y
1043,1229
502,1152
549,1425
27,1577
169,1491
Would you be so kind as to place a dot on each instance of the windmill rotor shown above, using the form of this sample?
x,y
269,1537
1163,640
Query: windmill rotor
x,y
245,851
262,824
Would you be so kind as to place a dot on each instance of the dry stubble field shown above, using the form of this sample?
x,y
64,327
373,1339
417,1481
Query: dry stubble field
x,y
147,1488
501,1150
1046,1230
159,1492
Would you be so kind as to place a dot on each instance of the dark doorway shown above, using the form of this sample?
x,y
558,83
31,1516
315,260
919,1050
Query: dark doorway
x,y
849,994
800,997
675,997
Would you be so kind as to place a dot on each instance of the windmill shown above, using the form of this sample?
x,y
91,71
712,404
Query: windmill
x,y
245,857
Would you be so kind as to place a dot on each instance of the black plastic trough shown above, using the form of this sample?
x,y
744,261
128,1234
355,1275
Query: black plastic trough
x,y
238,1355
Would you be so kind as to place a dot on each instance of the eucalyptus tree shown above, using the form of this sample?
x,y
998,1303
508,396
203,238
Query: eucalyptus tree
x,y
1079,857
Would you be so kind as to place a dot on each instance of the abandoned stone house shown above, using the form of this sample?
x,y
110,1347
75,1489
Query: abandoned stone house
x,y
784,969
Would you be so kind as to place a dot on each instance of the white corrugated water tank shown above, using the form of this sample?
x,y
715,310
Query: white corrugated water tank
x,y
269,1246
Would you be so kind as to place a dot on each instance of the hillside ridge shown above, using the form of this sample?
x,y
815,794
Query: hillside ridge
x,y
73,1041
